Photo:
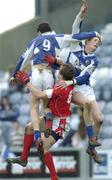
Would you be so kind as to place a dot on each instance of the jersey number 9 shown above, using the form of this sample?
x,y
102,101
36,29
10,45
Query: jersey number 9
x,y
46,45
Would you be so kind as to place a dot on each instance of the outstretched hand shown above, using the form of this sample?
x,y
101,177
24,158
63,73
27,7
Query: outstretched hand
x,y
50,59
22,77
84,8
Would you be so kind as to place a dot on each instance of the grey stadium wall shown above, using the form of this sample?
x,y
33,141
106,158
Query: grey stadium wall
x,y
13,42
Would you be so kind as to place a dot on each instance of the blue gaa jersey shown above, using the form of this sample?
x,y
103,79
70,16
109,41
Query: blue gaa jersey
x,y
83,63
43,44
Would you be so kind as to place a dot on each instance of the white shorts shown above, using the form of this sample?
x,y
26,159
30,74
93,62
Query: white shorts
x,y
42,79
86,90
61,126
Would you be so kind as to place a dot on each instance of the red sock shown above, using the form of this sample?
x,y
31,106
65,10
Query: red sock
x,y
48,124
48,160
27,144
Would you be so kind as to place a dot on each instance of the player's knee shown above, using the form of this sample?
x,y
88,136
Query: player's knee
x,y
29,129
48,116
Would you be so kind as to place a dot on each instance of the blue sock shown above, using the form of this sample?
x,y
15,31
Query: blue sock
x,y
37,134
49,116
90,131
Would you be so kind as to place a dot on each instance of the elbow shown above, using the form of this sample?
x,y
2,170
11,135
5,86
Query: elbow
x,y
82,81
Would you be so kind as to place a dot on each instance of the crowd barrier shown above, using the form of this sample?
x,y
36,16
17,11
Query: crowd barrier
x,y
70,163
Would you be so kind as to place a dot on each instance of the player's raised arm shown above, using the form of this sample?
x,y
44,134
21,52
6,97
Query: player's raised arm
x,y
65,40
79,18
86,35
83,9
87,72
22,62
24,59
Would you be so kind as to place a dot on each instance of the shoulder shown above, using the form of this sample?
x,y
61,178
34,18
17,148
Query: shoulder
x,y
58,91
32,42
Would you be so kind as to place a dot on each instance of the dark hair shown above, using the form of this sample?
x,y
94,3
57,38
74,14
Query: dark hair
x,y
44,27
67,71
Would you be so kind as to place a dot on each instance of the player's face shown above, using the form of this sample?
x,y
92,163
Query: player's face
x,y
93,44
60,77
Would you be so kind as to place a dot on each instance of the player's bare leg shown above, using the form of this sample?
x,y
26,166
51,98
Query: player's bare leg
x,y
97,117
88,106
93,142
82,101
48,142
90,126
79,99
48,122
96,114
34,105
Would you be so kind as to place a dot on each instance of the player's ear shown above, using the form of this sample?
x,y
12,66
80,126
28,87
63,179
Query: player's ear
x,y
87,40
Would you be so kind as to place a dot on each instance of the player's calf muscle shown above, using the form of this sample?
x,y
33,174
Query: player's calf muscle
x,y
48,142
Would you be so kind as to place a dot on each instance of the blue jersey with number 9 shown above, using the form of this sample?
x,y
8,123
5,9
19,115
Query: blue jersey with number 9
x,y
44,44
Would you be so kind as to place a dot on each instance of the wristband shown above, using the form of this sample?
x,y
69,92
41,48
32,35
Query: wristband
x,y
70,82
74,81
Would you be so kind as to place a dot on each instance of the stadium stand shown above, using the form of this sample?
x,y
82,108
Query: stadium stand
x,y
101,81
103,85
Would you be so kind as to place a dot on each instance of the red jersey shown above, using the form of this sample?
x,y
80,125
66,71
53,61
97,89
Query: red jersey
x,y
60,101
